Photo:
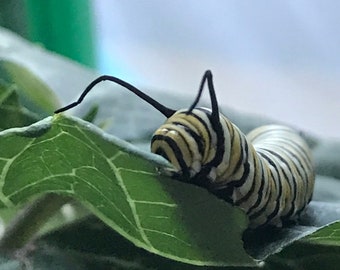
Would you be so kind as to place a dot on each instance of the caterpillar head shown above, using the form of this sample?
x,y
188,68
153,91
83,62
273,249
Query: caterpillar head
x,y
184,139
192,139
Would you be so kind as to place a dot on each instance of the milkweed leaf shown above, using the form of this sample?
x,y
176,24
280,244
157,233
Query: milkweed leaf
x,y
121,185
32,92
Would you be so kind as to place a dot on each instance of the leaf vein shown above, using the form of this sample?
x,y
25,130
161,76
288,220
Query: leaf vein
x,y
169,235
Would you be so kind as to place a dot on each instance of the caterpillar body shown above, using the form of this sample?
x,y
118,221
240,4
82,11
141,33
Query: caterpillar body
x,y
268,173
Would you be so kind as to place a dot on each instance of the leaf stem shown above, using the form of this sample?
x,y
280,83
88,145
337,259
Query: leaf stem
x,y
29,220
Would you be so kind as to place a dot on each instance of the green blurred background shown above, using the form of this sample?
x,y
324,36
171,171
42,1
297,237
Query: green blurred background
x,y
62,26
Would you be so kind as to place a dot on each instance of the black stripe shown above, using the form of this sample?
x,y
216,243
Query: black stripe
x,y
220,147
277,207
259,198
263,209
177,151
197,138
305,155
298,149
303,177
284,139
224,193
298,158
160,151
240,160
294,187
246,168
251,191
199,119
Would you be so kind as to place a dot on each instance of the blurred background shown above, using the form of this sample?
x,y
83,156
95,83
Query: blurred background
x,y
280,59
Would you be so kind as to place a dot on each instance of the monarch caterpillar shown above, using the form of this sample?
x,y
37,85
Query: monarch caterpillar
x,y
268,173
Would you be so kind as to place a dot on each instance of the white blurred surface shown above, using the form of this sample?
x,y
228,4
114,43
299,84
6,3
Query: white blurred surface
x,y
274,58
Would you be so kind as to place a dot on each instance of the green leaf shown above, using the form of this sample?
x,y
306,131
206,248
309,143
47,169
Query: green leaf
x,y
318,215
320,250
12,113
46,256
91,237
121,185
34,94
327,236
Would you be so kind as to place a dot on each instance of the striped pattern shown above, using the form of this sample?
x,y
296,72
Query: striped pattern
x,y
269,173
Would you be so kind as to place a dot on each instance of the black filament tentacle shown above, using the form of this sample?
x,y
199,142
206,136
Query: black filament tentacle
x,y
167,112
